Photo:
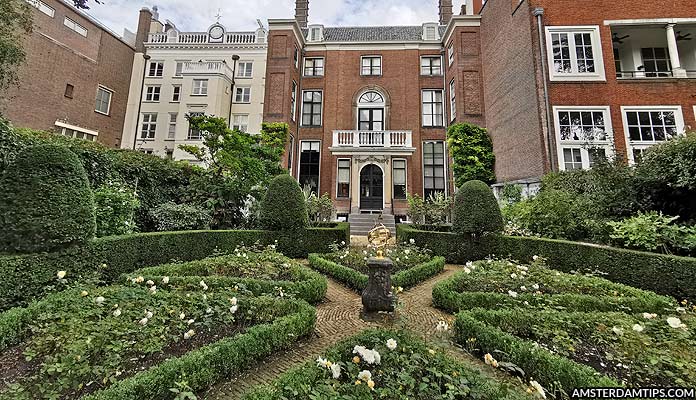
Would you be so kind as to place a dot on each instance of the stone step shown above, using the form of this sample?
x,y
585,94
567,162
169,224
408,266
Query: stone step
x,y
361,224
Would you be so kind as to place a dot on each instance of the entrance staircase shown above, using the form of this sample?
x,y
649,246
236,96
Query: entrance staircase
x,y
361,224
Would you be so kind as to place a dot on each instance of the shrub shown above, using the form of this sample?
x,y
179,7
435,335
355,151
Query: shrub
x,y
116,205
654,232
284,207
169,217
476,210
435,210
47,203
319,209
472,154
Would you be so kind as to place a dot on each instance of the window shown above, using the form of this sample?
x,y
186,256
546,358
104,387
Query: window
x,y
171,133
450,53
617,63
76,132
431,66
647,126
75,26
242,95
309,165
170,154
43,7
433,168
399,178
293,101
156,69
311,108
152,93
200,87
316,34
176,93
296,57
240,122
371,65
453,101
245,69
291,151
433,110
103,104
656,62
343,179
69,89
195,134
314,67
430,32
583,135
149,126
179,68
574,53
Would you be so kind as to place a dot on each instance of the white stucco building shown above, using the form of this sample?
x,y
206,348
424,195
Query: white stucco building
x,y
214,72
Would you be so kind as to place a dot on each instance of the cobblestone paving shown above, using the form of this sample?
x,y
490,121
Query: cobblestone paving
x,y
338,317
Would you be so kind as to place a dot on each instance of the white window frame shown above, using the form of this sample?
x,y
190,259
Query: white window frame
x,y
75,27
598,75
173,120
150,122
442,67
150,97
189,130
405,177
245,91
321,115
450,53
583,146
242,73
174,93
43,7
442,104
299,159
246,125
453,100
201,89
108,105
445,162
296,57
381,65
159,69
642,145
179,69
65,127
293,100
314,59
350,176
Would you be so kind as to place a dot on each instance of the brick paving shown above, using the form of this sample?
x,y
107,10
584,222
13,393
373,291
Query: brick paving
x,y
338,317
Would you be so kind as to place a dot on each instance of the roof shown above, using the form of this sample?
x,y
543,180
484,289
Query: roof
x,y
375,34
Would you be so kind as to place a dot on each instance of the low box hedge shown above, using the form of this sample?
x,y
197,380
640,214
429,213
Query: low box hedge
x,y
358,281
304,283
663,274
29,277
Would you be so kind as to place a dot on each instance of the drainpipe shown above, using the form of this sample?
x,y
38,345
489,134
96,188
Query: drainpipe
x,y
140,102
235,58
539,14
445,114
298,113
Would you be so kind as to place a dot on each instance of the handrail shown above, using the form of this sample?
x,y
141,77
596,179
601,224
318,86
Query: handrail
x,y
367,138
204,38
644,74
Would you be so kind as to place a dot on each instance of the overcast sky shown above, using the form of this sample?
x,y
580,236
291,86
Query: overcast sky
x,y
240,15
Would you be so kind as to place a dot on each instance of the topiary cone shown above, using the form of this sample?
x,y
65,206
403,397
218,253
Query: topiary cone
x,y
46,201
476,210
284,206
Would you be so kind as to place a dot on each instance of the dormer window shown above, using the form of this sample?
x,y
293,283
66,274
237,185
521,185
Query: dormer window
x,y
431,31
315,33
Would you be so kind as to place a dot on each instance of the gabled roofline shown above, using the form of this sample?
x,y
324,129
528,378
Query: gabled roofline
x,y
287,24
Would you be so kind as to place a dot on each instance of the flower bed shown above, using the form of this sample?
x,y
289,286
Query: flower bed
x,y
558,349
349,266
385,365
137,343
258,271
504,284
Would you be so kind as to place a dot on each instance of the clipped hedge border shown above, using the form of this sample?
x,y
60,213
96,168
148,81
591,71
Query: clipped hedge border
x,y
26,277
663,274
358,281
548,369
307,284
446,296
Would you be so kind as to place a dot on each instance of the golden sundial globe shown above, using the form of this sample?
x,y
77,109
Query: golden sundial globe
x,y
378,237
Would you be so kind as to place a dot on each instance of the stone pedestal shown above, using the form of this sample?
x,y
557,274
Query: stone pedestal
x,y
377,296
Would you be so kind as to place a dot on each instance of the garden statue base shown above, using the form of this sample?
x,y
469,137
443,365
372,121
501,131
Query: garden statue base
x,y
377,296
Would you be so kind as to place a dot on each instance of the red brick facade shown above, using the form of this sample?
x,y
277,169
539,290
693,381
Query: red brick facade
x,y
58,56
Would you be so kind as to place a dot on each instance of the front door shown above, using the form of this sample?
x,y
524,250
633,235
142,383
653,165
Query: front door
x,y
371,188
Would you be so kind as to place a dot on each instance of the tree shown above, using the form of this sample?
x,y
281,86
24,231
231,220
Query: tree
x,y
472,154
15,22
476,211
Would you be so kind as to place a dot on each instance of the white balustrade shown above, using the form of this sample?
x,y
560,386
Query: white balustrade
x,y
204,38
207,68
372,139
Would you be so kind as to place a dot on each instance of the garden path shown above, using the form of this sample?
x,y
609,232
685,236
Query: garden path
x,y
338,318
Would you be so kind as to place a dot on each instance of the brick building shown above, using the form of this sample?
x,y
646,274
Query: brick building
x,y
566,82
369,107
76,77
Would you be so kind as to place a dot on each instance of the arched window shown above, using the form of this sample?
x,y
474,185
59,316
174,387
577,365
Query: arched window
x,y
371,98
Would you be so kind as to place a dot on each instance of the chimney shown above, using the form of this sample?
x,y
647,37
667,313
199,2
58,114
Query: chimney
x,y
445,11
141,36
478,5
302,12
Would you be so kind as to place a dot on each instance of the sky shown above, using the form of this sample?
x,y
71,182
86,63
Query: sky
x,y
241,15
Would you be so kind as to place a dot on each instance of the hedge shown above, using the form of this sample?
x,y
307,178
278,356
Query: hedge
x,y
284,206
550,370
663,274
201,367
306,284
31,276
358,281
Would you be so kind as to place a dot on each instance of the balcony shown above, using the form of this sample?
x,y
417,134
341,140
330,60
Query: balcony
x,y
173,37
366,141
207,68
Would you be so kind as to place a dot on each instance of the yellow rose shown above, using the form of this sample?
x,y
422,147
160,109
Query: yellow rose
x,y
358,382
356,360
371,384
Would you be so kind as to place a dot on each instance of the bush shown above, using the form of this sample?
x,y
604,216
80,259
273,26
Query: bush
x,y
47,203
435,210
116,205
472,154
654,232
319,209
284,207
170,217
476,210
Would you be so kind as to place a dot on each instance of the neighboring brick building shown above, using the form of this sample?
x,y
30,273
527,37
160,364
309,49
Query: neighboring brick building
x,y
369,107
567,81
76,77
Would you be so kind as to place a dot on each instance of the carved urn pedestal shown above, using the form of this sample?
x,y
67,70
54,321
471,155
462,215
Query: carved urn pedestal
x,y
377,298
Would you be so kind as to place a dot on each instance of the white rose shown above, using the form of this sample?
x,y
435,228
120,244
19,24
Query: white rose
x,y
365,375
99,300
165,280
638,328
391,344
61,274
143,321
675,322
188,335
117,313
336,371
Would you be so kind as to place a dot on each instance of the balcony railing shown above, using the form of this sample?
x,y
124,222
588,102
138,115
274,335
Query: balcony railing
x,y
207,68
643,74
204,38
388,139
